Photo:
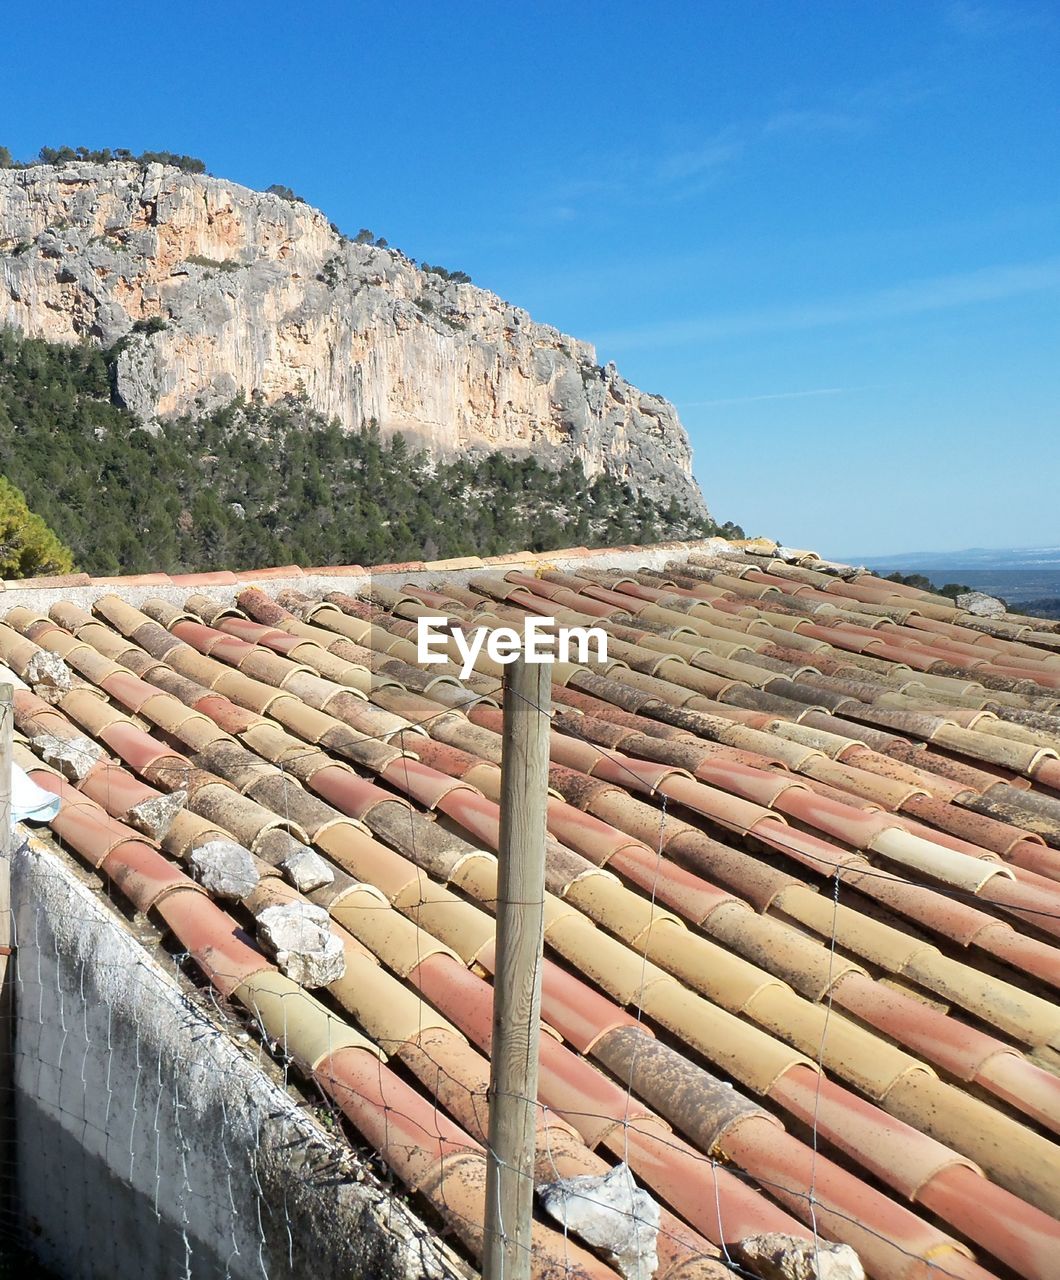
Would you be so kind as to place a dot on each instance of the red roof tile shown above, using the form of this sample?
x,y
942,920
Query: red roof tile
x,y
336,570
710,787
218,578
270,575
48,584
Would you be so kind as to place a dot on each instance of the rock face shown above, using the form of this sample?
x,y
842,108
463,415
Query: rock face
x,y
259,294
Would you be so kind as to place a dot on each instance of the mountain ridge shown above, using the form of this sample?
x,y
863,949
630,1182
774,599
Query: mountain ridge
x,y
207,290
971,557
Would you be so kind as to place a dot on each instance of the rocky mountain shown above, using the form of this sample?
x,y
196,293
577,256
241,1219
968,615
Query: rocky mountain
x,y
209,290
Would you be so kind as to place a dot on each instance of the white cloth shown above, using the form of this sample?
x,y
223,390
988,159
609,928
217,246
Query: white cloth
x,y
30,803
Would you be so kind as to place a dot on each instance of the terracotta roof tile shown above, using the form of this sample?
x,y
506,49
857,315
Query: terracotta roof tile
x,y
269,575
731,800
457,562
48,584
134,580
218,578
336,570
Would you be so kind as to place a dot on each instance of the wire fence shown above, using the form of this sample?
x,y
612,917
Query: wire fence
x,y
162,1131
155,1134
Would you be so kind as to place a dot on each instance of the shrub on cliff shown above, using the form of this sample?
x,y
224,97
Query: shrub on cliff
x,y
285,193
105,155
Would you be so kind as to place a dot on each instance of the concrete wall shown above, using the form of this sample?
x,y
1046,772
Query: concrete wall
x,y
151,1143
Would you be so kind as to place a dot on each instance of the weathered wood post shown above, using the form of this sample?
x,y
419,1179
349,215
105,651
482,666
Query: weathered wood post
x,y
517,979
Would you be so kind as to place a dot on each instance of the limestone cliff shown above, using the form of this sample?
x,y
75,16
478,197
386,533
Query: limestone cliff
x,y
218,289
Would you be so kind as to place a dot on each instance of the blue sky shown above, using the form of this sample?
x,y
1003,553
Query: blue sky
x,y
827,231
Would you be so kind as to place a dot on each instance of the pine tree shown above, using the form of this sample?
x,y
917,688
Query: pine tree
x,y
253,484
28,548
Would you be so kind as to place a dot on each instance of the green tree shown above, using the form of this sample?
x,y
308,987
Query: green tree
x,y
27,546
923,583
252,484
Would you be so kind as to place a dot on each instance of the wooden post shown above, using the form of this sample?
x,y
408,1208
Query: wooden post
x,y
7,939
517,977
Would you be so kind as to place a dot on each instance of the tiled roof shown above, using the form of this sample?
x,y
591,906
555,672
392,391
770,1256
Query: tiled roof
x,y
804,876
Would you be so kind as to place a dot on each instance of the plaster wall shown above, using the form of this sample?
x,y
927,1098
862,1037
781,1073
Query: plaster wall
x,y
151,1143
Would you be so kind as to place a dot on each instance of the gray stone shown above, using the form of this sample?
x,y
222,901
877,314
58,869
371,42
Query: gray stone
x,y
224,868
610,1213
75,758
779,1257
982,605
49,677
306,870
155,816
298,935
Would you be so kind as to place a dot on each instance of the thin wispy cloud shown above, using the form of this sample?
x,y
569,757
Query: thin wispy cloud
x,y
889,94
714,154
814,122
723,149
980,19
940,293
771,395
636,178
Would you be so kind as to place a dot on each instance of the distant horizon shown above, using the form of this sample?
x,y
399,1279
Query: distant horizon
x,y
935,551
1023,575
